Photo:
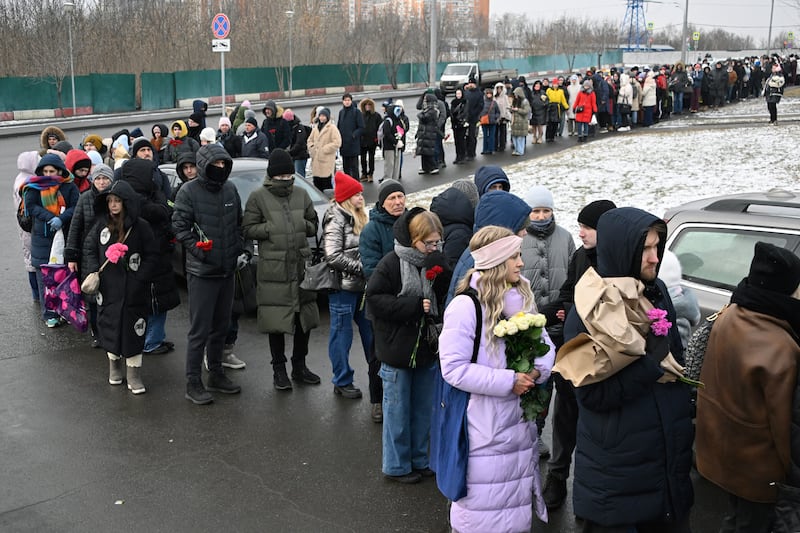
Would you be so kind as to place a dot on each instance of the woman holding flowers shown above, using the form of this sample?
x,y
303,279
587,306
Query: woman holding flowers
x,y
127,243
502,470
405,295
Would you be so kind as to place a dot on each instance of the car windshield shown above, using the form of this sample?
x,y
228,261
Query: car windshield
x,y
456,70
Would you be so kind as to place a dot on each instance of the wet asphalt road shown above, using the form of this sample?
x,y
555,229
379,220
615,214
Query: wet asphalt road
x,y
78,455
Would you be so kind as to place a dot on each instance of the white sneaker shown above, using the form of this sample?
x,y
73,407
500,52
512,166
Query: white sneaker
x,y
229,360
625,128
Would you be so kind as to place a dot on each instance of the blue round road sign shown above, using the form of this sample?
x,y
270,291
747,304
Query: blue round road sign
x,y
221,26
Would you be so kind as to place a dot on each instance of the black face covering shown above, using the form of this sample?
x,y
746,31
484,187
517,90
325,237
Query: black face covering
x,y
216,174
281,187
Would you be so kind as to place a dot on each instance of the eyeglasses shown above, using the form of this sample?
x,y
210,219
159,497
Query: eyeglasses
x,y
433,244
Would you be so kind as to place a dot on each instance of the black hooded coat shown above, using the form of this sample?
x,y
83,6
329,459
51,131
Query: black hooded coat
x,y
634,435
123,299
153,207
457,216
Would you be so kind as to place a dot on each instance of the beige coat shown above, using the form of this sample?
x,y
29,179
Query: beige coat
x,y
322,147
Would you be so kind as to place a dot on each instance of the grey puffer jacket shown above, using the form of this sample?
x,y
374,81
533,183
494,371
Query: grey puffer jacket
x,y
341,248
217,210
546,256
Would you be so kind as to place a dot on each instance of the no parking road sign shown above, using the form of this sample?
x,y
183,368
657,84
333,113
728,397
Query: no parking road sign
x,y
220,26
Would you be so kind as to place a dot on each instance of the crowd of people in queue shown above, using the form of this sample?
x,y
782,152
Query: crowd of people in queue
x,y
404,271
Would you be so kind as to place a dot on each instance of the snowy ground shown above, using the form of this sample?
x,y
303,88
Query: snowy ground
x,y
661,167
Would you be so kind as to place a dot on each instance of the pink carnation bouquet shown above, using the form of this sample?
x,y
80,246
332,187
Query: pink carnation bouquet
x,y
116,251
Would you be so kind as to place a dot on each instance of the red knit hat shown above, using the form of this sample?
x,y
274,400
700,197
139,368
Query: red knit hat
x,y
345,186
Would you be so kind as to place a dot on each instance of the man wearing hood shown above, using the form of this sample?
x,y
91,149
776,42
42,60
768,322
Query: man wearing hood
x,y
180,141
277,130
162,290
491,178
143,149
207,221
634,437
495,208
377,240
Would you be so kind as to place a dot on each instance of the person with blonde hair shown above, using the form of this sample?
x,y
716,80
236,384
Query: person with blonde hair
x,y
405,295
502,470
342,225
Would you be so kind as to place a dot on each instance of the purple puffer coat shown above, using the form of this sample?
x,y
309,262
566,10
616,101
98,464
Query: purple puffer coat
x,y
503,467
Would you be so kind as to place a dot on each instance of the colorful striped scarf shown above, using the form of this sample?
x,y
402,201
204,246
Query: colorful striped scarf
x,y
48,187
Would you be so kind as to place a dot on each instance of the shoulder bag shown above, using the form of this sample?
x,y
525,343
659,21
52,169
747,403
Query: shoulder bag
x,y
449,441
319,276
696,347
91,285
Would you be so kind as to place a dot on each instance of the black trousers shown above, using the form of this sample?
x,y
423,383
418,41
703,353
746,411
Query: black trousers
x,y
681,526
501,136
472,138
367,160
565,426
460,140
277,346
747,517
210,305
350,165
551,130
773,111
323,182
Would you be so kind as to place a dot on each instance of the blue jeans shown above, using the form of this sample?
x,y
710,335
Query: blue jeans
x,y
154,333
677,102
519,143
407,406
583,129
489,139
345,307
300,166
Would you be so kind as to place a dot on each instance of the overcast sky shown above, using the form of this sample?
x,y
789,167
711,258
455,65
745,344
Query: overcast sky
x,y
737,16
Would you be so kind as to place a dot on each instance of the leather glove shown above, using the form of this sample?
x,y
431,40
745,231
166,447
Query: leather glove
x,y
656,347
55,223
243,260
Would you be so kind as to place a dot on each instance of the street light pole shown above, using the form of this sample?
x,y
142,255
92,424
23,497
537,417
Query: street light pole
x,y
68,7
685,32
290,14
434,29
769,35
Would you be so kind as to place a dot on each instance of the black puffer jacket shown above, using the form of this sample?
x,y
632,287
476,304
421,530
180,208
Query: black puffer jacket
x,y
154,209
457,216
83,218
298,146
216,209
396,319
428,129
634,435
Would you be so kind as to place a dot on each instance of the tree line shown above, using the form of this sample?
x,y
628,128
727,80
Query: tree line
x,y
132,36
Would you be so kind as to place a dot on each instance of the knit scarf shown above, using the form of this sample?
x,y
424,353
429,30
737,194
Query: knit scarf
x,y
48,187
780,306
412,275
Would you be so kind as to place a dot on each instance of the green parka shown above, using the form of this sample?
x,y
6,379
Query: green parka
x,y
281,217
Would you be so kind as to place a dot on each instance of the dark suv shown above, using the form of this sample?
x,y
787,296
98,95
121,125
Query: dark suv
x,y
714,238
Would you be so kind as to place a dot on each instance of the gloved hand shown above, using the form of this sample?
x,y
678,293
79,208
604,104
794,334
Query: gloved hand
x,y
243,260
656,347
435,258
55,223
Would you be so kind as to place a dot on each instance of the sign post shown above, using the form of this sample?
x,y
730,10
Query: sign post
x,y
221,28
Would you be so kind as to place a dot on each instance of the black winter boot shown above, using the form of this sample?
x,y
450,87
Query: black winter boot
x,y
279,377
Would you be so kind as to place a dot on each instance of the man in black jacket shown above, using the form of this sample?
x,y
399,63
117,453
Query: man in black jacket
x,y
565,407
208,223
635,433
474,98
351,125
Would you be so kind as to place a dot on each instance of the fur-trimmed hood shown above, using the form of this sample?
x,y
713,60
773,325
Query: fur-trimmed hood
x,y
46,133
